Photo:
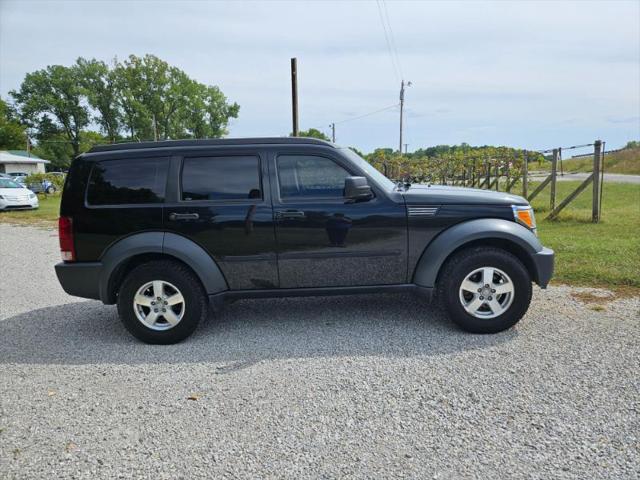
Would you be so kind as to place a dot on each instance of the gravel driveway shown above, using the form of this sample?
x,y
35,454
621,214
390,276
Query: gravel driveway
x,y
374,386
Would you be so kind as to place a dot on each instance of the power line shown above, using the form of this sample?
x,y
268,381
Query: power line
x,y
357,117
392,36
396,68
367,114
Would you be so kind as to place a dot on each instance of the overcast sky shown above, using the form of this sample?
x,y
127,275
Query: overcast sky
x,y
525,74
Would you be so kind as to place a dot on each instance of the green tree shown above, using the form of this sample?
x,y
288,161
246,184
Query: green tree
x,y
13,135
632,144
99,86
54,94
313,133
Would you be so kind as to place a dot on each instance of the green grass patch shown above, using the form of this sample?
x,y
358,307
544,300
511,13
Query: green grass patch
x,y
606,254
46,215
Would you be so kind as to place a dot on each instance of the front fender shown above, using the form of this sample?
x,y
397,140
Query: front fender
x,y
436,253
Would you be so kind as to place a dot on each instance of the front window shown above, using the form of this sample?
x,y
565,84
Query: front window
x,y
310,176
369,169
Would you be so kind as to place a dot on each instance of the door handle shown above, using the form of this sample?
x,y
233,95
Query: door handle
x,y
183,216
290,214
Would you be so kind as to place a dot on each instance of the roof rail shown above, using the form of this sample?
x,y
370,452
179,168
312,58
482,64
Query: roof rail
x,y
210,142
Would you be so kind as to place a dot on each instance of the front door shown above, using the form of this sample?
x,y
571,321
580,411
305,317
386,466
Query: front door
x,y
325,240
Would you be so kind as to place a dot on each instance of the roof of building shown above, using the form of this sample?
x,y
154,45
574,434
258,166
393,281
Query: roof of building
x,y
19,156
212,142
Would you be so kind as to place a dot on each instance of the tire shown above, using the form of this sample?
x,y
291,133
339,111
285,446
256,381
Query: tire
x,y
476,265
51,190
172,277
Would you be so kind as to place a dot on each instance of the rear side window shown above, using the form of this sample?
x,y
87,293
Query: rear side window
x,y
130,181
221,178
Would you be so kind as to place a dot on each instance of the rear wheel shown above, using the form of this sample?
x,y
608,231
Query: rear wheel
x,y
484,289
161,302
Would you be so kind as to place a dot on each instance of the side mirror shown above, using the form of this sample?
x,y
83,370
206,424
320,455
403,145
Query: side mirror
x,y
357,189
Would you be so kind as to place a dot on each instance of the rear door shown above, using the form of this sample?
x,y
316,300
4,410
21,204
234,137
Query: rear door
x,y
325,240
219,201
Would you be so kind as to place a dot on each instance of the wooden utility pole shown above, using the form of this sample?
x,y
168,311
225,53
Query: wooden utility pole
x,y
333,132
554,174
28,147
294,95
597,156
402,87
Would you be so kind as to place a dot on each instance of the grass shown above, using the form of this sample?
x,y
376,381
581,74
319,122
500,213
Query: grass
x,y
606,254
625,161
46,215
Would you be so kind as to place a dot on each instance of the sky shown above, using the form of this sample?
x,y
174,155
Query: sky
x,y
532,75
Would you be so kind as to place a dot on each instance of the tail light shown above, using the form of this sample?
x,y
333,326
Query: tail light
x,y
65,234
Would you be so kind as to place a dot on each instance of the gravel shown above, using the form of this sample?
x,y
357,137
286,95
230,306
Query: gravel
x,y
365,386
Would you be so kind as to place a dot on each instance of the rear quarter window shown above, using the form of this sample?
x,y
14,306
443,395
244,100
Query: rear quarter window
x,y
128,181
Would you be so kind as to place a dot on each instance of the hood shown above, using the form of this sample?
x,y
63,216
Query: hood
x,y
440,194
15,192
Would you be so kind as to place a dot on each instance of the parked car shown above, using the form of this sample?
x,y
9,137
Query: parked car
x,y
169,229
19,177
14,196
45,186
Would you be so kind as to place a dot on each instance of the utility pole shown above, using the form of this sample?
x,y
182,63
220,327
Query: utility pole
x,y
405,148
28,147
294,95
402,86
333,132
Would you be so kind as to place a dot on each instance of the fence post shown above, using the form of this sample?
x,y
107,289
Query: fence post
x,y
488,168
554,169
597,154
525,174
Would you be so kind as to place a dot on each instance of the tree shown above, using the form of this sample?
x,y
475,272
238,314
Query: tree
x,y
632,144
99,86
54,94
313,133
13,134
205,112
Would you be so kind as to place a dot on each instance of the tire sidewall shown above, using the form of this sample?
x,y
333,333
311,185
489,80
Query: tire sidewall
x,y
487,258
185,282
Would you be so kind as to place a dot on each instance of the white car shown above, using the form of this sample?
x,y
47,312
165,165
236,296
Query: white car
x,y
14,196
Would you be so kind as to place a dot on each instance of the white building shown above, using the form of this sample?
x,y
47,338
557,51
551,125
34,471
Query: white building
x,y
16,161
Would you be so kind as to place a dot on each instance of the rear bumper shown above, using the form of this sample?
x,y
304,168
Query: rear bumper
x,y
544,261
80,279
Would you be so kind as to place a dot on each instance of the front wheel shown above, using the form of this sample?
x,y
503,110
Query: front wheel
x,y
485,290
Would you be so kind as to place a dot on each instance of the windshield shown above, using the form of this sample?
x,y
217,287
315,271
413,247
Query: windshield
x,y
374,174
6,183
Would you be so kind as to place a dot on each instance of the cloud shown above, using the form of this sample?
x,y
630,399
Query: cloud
x,y
510,67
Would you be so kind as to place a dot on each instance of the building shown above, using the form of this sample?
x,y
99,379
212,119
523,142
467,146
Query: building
x,y
14,161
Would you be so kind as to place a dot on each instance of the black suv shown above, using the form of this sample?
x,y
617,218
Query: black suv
x,y
170,229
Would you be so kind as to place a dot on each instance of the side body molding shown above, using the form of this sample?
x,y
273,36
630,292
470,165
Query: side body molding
x,y
160,242
443,245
